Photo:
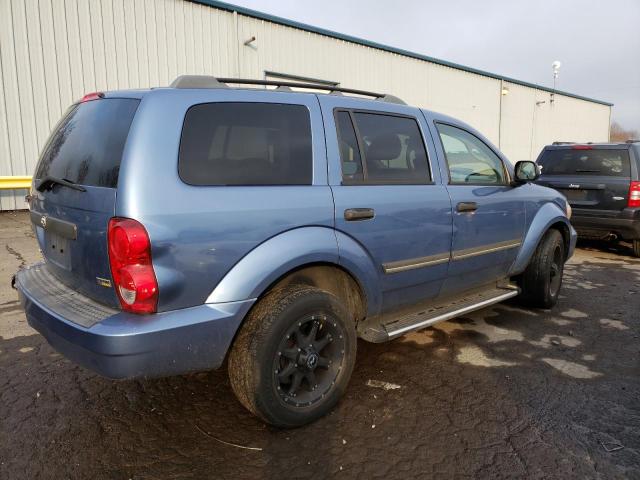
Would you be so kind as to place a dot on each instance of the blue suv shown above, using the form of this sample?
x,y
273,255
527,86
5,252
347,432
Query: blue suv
x,y
185,226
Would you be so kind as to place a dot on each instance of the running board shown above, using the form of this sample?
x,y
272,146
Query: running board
x,y
439,312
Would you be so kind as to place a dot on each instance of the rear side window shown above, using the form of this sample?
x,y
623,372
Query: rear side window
x,y
606,162
381,149
87,145
246,144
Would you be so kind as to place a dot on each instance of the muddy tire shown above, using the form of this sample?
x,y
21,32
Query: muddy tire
x,y
636,248
293,357
541,281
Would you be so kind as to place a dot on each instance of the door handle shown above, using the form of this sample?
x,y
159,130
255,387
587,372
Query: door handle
x,y
356,214
463,207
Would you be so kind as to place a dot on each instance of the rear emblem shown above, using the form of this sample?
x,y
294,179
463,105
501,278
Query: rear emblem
x,y
103,282
573,185
43,221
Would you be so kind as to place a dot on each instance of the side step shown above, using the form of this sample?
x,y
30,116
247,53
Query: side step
x,y
444,310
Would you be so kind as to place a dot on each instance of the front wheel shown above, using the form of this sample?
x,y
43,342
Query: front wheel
x,y
293,357
541,281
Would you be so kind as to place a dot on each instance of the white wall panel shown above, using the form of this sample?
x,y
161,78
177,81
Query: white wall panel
x,y
54,51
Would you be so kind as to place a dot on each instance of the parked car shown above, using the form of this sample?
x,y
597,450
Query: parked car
x,y
182,226
602,184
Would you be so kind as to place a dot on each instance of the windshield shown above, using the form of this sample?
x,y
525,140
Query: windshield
x,y
86,146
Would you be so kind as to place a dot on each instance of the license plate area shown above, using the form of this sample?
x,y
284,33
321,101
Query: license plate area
x,y
576,195
57,250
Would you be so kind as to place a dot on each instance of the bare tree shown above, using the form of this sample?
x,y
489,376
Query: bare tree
x,y
619,134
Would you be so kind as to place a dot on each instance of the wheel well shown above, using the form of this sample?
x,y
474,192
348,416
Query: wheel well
x,y
332,279
566,236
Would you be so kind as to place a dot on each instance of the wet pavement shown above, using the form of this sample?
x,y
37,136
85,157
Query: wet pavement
x,y
501,393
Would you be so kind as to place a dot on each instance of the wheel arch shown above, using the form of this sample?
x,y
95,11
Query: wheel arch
x,y
307,255
564,230
330,277
549,216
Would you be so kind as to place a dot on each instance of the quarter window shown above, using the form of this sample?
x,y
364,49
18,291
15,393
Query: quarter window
x,y
246,144
469,159
387,149
348,145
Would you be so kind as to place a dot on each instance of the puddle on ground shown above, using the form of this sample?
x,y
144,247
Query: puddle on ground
x,y
571,369
475,356
617,324
421,337
547,341
573,313
561,321
493,333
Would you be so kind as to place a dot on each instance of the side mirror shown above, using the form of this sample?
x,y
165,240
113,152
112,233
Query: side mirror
x,y
526,171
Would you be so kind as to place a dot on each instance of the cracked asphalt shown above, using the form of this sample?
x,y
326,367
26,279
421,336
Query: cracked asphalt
x,y
502,393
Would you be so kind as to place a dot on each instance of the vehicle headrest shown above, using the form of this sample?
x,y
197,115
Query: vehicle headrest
x,y
385,146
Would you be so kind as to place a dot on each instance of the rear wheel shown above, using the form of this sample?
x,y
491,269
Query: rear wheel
x,y
293,357
636,248
541,281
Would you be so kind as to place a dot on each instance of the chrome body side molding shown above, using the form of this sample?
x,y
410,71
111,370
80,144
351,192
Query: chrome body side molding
x,y
431,260
404,265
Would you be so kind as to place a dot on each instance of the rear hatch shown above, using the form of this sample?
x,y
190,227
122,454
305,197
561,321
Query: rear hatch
x,y
74,193
593,178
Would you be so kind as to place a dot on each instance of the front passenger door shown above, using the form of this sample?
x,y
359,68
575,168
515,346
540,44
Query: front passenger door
x,y
488,216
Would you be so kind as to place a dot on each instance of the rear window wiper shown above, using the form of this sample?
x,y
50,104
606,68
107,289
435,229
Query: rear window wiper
x,y
47,183
586,171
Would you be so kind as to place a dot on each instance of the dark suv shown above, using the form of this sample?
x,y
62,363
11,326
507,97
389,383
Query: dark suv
x,y
602,184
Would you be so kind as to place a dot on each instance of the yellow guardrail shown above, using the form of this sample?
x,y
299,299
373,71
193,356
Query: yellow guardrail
x,y
14,183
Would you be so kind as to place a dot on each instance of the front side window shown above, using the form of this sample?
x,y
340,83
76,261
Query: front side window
x,y
469,159
389,149
246,144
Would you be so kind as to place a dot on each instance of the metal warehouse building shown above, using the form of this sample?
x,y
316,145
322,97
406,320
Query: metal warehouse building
x,y
52,52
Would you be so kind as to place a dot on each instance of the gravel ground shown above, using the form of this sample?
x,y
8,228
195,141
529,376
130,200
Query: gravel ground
x,y
501,393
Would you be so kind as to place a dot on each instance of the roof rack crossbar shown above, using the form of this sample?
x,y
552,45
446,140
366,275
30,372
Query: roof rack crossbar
x,y
184,80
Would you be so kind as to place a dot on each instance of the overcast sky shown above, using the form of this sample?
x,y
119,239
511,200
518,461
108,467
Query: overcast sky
x,y
598,42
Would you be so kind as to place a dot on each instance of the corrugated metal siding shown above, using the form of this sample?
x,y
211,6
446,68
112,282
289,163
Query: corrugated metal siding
x,y
53,52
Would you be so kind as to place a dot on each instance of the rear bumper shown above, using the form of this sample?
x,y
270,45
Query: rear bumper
x,y
125,345
625,225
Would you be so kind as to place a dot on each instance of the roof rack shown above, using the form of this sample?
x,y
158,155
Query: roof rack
x,y
206,81
596,143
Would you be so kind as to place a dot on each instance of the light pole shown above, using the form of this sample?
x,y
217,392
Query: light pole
x,y
556,70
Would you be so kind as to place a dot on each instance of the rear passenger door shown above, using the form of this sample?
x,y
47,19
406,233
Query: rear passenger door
x,y
387,197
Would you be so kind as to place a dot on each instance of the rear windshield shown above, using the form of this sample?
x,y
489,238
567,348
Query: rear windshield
x,y
246,144
606,162
86,147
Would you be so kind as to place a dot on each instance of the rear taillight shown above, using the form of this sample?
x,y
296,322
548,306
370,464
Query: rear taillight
x,y
581,147
634,195
131,268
